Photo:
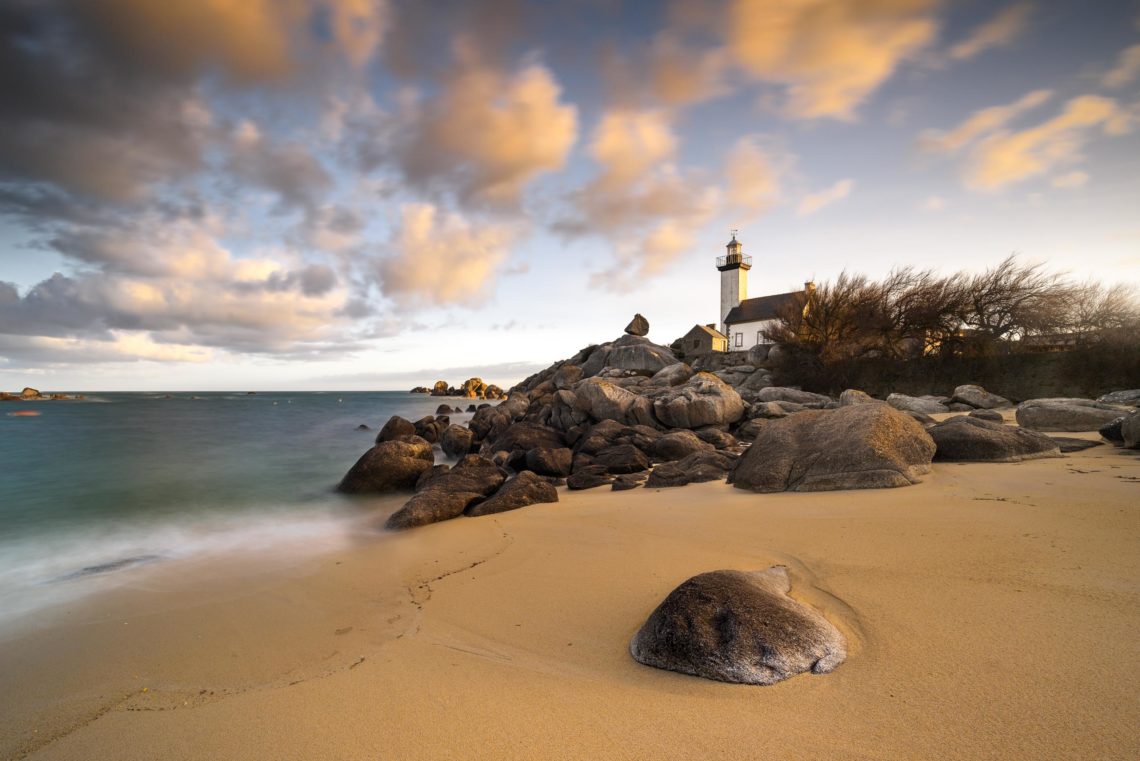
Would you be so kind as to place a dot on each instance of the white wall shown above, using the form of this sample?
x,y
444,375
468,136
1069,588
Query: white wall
x,y
733,290
749,334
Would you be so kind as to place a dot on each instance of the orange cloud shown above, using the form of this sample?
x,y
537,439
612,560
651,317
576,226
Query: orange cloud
x,y
1009,157
443,259
1001,30
753,175
813,202
489,134
1126,69
829,54
980,123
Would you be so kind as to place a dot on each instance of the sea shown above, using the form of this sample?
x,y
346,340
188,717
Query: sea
x,y
95,490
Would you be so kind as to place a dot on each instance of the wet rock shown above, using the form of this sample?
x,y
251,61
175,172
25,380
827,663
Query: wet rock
x,y
524,489
864,446
444,409
472,479
974,439
363,427
429,475
395,428
389,466
457,441
735,626
1065,414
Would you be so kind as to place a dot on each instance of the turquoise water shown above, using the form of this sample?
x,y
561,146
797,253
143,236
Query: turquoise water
x,y
91,489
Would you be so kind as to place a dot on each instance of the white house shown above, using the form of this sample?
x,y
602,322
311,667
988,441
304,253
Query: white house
x,y
742,319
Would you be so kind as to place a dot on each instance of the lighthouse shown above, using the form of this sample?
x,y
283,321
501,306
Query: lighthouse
x,y
733,268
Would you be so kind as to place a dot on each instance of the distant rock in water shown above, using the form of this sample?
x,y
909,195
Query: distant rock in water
x,y
638,326
110,566
420,390
734,626
363,427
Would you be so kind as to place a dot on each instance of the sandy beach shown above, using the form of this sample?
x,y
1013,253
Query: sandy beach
x,y
991,612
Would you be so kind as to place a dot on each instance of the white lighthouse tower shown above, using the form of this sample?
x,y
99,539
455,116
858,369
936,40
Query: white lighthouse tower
x,y
733,279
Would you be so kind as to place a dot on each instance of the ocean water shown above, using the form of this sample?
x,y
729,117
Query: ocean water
x,y
92,491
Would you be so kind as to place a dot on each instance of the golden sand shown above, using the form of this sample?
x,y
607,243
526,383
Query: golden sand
x,y
991,611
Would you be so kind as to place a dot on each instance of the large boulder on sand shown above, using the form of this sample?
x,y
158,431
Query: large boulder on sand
x,y
1065,414
864,446
677,444
1130,430
638,326
703,400
449,494
930,405
524,489
1129,398
389,466
741,627
971,438
1113,431
622,458
978,398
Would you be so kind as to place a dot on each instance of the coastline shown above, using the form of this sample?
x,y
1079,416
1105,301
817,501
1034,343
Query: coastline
x,y
976,605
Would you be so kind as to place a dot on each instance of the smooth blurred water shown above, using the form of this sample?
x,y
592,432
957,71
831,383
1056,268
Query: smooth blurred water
x,y
94,488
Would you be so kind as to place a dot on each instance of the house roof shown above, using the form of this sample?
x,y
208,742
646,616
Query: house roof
x,y
706,329
763,307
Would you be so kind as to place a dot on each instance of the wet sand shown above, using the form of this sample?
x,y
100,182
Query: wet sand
x,y
991,611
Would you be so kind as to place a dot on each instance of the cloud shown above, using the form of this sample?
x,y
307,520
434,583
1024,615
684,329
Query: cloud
x,y
1070,180
640,202
682,74
443,259
487,134
980,122
813,202
287,169
830,55
1005,157
1126,69
934,203
753,173
999,31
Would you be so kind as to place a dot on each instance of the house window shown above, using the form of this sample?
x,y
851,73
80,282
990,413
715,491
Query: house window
x,y
739,339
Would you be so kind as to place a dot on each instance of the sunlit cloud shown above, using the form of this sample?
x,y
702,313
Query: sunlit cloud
x,y
1001,30
981,122
1070,180
443,259
813,202
1126,69
830,55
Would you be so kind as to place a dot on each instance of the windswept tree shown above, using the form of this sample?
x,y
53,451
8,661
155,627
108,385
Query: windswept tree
x,y
1012,300
1095,309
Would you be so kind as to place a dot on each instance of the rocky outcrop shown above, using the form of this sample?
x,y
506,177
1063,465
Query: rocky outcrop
x,y
864,446
1065,414
639,356
602,400
638,326
735,626
420,390
440,389
695,468
1130,430
395,428
978,398
672,375
676,445
473,388
1129,398
524,489
472,479
970,438
929,405
703,400
457,441
547,461
30,393
794,395
855,396
389,466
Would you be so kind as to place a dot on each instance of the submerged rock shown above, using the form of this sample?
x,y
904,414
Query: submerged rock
x,y
864,446
734,626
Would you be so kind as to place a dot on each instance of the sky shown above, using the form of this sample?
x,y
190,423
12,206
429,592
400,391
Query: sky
x,y
374,194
